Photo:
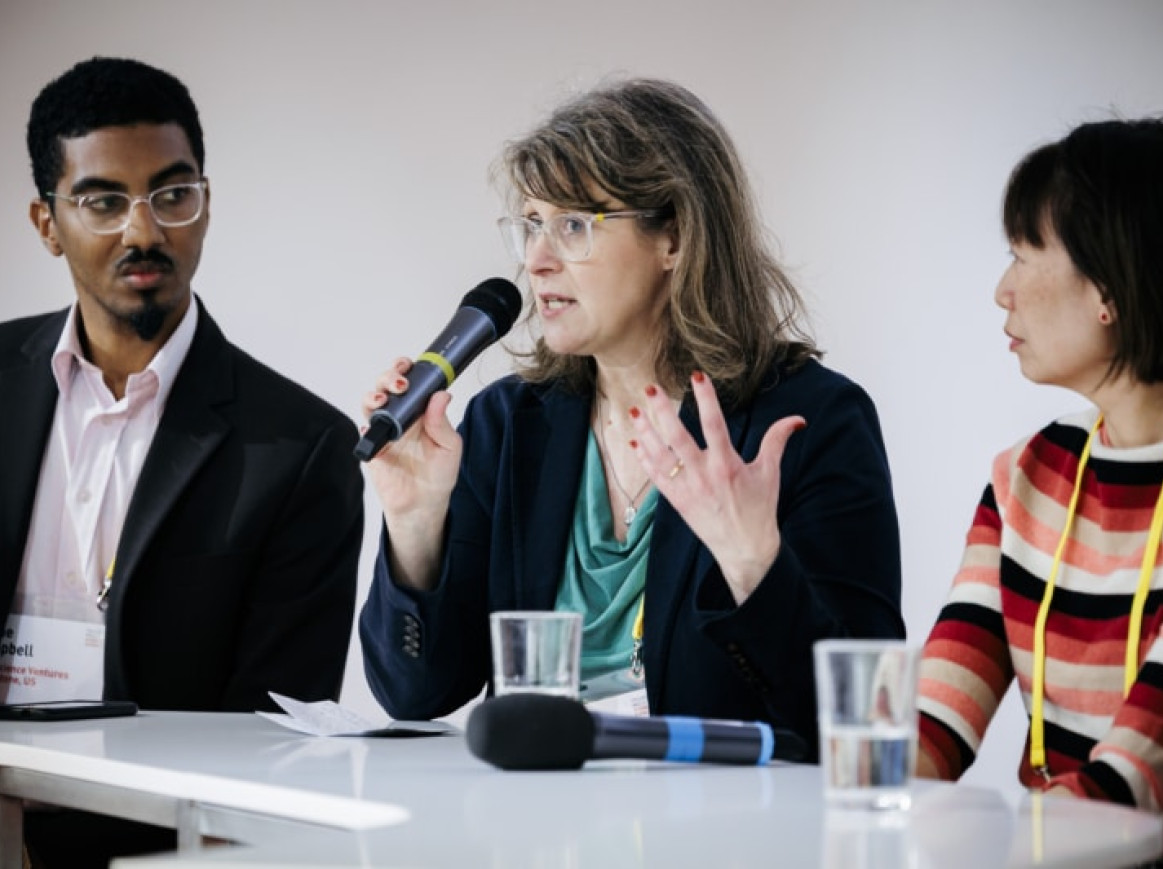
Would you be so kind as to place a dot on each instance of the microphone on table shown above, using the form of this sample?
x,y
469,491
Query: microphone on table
x,y
485,314
543,732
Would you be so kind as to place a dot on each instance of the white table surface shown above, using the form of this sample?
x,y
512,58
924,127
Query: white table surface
x,y
426,802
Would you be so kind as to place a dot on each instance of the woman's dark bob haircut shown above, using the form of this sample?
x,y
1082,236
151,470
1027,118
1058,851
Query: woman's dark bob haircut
x,y
1100,190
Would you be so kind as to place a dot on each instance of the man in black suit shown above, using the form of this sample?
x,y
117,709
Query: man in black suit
x,y
155,481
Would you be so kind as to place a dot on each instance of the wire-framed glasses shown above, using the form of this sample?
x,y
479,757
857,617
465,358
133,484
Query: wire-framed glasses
x,y
570,233
108,212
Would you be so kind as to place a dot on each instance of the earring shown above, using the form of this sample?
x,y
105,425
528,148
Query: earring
x,y
1104,317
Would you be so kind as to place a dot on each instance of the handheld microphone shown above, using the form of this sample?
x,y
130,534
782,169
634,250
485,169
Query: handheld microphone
x,y
485,314
543,732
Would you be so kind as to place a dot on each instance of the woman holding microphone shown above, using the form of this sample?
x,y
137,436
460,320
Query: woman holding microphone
x,y
670,453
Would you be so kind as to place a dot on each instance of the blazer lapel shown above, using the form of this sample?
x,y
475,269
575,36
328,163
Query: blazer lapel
x,y
28,397
548,455
188,433
677,559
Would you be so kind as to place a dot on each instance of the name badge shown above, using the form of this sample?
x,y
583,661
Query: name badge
x,y
51,659
618,693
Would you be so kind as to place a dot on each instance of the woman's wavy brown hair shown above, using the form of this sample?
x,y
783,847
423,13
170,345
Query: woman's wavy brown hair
x,y
652,144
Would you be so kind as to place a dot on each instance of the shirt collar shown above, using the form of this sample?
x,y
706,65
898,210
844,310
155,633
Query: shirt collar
x,y
69,357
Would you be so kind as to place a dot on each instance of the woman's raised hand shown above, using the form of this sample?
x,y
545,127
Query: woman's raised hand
x,y
729,504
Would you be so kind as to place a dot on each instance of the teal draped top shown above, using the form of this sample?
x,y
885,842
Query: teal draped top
x,y
603,578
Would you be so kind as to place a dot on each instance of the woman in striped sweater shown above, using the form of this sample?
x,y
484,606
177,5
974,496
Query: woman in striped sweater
x,y
1061,584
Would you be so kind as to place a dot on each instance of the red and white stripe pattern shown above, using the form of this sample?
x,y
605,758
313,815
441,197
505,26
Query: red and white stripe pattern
x,y
1098,743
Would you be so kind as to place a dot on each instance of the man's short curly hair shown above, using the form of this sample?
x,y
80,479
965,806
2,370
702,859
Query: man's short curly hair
x,y
104,92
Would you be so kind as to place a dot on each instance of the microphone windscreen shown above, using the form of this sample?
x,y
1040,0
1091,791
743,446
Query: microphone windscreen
x,y
498,299
531,732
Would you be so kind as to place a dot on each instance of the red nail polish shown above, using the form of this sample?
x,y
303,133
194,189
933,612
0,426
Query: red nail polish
x,y
633,444
635,413
651,390
698,377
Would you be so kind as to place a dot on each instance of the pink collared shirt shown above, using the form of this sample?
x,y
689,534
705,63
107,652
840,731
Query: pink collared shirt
x,y
94,456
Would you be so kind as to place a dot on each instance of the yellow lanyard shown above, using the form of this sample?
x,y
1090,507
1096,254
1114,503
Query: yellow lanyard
x,y
1134,630
636,635
103,594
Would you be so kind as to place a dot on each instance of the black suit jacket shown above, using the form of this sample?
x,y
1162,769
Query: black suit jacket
x,y
236,567
837,573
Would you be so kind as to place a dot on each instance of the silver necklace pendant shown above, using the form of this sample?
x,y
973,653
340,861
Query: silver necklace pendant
x,y
607,465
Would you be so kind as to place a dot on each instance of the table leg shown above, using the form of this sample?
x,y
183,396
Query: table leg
x,y
11,833
189,833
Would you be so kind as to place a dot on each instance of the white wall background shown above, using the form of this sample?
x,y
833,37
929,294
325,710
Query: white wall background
x,y
349,142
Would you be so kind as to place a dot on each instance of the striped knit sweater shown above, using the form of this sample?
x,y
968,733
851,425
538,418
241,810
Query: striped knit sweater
x,y
1098,743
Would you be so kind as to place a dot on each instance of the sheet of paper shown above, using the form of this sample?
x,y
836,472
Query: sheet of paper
x,y
328,718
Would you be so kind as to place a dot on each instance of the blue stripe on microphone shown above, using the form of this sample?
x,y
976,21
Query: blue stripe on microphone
x,y
767,742
685,741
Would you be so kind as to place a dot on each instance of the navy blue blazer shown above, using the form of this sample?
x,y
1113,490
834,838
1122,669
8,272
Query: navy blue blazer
x,y
237,565
837,573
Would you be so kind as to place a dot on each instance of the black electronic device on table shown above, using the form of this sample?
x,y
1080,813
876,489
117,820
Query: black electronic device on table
x,y
67,710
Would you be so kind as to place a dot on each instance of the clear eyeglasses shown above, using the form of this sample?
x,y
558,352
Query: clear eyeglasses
x,y
107,213
571,233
